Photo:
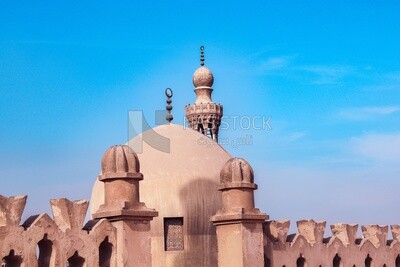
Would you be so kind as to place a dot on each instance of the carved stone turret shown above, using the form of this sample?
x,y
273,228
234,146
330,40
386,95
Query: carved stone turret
x,y
120,172
238,222
204,115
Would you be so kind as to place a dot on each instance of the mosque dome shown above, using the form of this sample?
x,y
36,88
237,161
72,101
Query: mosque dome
x,y
203,77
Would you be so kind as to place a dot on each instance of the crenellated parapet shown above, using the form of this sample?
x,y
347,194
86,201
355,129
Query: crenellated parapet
x,y
61,240
308,247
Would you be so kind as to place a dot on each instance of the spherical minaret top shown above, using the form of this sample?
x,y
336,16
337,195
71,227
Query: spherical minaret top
x,y
203,77
118,162
237,170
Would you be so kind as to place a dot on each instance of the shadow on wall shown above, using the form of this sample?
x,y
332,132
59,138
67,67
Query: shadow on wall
x,y
200,200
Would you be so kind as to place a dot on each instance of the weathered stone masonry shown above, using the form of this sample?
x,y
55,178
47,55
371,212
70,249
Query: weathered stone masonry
x,y
58,241
343,248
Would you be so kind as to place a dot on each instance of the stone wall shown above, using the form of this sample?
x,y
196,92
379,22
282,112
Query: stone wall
x,y
308,247
59,241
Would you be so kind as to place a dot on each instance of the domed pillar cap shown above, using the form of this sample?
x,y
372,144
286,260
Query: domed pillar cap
x,y
120,162
237,173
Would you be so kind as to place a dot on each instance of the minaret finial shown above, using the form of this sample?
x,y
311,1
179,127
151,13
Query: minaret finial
x,y
202,55
169,94
204,115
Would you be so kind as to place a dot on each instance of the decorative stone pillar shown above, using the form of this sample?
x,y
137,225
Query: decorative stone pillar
x,y
239,223
120,172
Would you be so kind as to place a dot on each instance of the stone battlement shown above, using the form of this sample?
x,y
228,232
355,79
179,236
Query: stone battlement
x,y
308,247
59,241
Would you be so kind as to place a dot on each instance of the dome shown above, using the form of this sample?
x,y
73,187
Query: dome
x,y
119,161
237,170
181,183
203,77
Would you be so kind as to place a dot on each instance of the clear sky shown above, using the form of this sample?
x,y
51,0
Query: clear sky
x,y
326,72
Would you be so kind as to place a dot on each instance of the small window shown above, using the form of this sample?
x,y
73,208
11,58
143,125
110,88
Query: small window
x,y
368,261
45,247
173,234
337,261
11,260
105,253
76,260
301,262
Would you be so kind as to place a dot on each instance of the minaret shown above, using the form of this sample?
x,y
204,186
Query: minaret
x,y
204,115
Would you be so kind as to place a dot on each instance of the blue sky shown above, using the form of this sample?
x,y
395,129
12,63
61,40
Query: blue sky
x,y
326,72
